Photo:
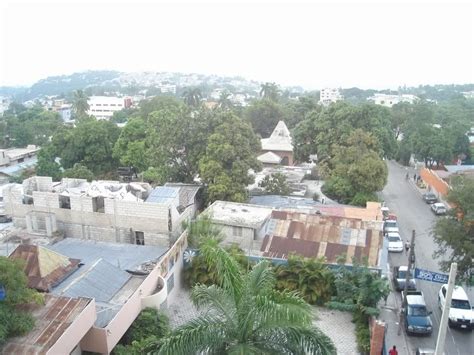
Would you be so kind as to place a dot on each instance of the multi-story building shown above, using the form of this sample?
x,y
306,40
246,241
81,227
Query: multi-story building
x,y
103,107
167,88
330,95
107,211
390,100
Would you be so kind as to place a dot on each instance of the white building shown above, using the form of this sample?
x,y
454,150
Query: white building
x,y
167,88
103,107
468,94
390,100
329,95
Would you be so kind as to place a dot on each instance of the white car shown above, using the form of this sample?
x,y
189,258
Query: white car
x,y
395,243
438,208
461,314
389,226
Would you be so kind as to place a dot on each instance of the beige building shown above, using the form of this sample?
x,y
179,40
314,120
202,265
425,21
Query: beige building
x,y
279,144
89,308
107,211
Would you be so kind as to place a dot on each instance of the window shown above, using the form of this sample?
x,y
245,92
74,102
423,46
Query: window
x,y
65,202
237,231
21,160
443,289
98,204
139,238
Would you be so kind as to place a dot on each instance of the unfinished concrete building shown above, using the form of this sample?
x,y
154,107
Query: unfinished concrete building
x,y
107,211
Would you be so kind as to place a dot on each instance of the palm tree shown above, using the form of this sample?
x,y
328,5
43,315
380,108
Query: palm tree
x,y
270,91
224,101
192,97
244,314
79,103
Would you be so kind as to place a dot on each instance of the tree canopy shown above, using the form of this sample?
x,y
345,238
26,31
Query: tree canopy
x,y
455,236
230,154
13,320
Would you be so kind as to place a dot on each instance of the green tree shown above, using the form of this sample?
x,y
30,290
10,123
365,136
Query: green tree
x,y
47,165
246,315
224,101
159,103
192,97
455,236
202,229
275,184
356,168
79,103
13,320
90,143
79,171
264,115
176,140
309,276
270,91
130,148
230,153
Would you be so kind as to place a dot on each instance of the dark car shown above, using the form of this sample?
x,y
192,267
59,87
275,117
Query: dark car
x,y
5,219
430,198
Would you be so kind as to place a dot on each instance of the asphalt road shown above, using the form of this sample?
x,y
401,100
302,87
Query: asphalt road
x,y
405,201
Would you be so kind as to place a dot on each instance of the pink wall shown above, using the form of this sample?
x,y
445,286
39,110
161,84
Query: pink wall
x,y
76,331
96,338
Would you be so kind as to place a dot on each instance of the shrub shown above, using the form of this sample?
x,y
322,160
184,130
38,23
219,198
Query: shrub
x,y
361,198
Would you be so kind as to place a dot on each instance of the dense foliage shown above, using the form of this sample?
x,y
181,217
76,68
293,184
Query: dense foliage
x,y
454,236
145,333
13,320
275,184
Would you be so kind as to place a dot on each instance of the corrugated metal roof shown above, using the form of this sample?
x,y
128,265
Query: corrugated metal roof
x,y
123,256
51,321
18,168
312,235
163,194
101,281
43,267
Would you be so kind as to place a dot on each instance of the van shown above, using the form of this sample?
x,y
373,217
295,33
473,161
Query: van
x,y
461,314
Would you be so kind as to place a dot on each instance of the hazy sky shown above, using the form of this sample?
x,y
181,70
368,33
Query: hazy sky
x,y
310,44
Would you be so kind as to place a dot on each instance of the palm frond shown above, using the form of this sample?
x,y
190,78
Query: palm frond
x,y
261,279
203,334
228,269
215,298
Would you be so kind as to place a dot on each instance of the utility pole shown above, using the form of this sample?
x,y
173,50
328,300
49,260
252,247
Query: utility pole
x,y
407,279
445,316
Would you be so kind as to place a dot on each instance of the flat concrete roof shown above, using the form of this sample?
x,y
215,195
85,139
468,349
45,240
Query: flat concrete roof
x,y
238,214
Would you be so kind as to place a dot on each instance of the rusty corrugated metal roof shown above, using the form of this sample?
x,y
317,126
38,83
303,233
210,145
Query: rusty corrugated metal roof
x,y
316,235
43,267
51,320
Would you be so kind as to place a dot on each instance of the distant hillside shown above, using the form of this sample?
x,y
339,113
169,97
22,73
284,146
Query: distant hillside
x,y
57,85
109,81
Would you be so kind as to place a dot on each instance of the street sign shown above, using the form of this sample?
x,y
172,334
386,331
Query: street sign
x,y
431,276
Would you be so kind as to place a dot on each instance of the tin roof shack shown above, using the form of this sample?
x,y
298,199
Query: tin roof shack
x,y
108,211
242,224
317,235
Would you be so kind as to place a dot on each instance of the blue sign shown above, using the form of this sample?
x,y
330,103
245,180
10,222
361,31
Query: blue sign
x,y
431,276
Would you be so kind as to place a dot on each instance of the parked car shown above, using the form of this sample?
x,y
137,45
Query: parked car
x,y
389,226
5,219
430,198
424,351
395,243
461,314
417,317
438,208
399,276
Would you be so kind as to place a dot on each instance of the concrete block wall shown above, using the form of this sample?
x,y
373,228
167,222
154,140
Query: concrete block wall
x,y
44,183
81,203
243,241
45,199
136,209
